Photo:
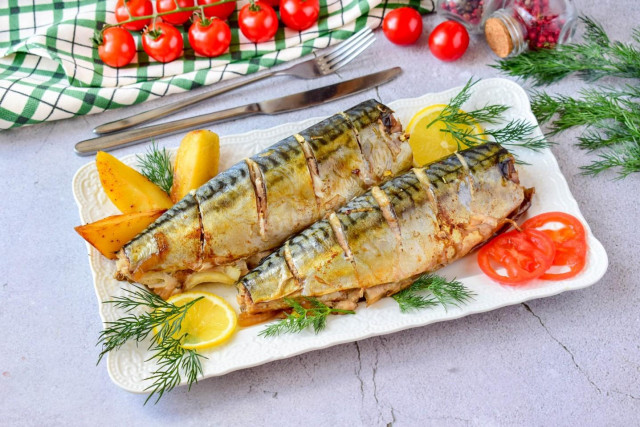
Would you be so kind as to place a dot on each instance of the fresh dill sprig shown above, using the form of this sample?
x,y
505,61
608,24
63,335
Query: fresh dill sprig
x,y
453,114
461,125
301,318
163,318
515,133
626,159
610,115
454,105
596,57
594,106
612,120
173,360
161,315
443,292
155,164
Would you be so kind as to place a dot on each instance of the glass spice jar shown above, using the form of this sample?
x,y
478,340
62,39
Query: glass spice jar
x,y
530,24
470,13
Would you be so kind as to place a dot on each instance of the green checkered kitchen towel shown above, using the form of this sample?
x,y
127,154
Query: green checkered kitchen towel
x,y
50,71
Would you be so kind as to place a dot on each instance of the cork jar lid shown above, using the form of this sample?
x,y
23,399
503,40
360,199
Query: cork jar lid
x,y
498,37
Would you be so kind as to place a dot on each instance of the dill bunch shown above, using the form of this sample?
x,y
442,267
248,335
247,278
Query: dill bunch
x,y
597,56
611,117
164,319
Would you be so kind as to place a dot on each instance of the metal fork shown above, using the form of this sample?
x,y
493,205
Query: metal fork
x,y
327,62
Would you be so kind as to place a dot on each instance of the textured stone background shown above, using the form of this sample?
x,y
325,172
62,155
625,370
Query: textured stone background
x,y
569,359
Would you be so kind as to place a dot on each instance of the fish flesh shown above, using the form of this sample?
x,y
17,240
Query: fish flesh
x,y
248,210
379,242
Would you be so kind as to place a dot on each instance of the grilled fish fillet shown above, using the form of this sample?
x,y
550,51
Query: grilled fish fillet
x,y
376,244
251,208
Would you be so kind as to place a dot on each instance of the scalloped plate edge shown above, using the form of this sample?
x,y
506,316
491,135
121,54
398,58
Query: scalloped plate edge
x,y
597,266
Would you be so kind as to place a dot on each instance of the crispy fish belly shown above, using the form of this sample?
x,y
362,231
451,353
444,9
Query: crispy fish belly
x,y
251,208
377,243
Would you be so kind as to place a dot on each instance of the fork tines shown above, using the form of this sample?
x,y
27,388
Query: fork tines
x,y
346,51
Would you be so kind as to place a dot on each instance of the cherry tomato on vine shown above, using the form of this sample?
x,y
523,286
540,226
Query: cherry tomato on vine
x,y
570,242
116,46
162,41
449,41
299,14
222,11
525,255
132,8
258,21
177,18
402,26
209,37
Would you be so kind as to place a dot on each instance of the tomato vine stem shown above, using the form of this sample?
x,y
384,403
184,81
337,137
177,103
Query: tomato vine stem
x,y
169,12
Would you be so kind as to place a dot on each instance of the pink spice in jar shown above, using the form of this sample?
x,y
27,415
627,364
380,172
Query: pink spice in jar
x,y
530,24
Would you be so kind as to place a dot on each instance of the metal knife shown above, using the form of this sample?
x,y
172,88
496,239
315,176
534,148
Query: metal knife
x,y
273,106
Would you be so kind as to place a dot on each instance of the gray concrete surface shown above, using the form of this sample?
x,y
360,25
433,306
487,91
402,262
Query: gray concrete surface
x,y
573,359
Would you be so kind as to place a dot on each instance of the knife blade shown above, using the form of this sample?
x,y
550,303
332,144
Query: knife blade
x,y
283,104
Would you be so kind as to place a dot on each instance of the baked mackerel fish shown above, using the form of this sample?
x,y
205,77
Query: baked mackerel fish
x,y
378,243
239,216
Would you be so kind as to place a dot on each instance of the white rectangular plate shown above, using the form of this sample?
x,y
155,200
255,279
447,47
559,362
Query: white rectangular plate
x,y
127,366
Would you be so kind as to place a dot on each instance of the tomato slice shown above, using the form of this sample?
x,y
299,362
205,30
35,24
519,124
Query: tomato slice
x,y
525,255
570,242
572,229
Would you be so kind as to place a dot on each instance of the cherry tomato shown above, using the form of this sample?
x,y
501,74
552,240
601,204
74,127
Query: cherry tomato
x,y
570,242
162,41
210,37
449,41
177,18
132,8
116,47
258,21
272,3
525,255
223,11
402,26
299,14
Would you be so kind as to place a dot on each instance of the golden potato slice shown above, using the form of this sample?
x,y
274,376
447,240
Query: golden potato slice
x,y
196,162
110,234
127,188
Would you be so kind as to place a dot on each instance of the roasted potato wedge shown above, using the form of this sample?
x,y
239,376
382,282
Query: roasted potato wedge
x,y
110,234
196,162
127,188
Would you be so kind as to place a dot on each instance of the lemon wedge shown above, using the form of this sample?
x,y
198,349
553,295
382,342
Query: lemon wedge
x,y
210,321
429,143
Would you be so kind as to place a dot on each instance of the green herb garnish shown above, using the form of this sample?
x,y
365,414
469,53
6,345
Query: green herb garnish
x,y
612,120
460,124
165,318
440,292
451,112
155,164
301,318
173,361
596,57
611,115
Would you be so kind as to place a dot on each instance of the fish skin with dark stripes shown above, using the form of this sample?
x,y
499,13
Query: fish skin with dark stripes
x,y
376,244
251,208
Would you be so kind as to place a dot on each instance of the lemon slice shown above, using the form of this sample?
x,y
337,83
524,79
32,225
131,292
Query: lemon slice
x,y
429,143
208,322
